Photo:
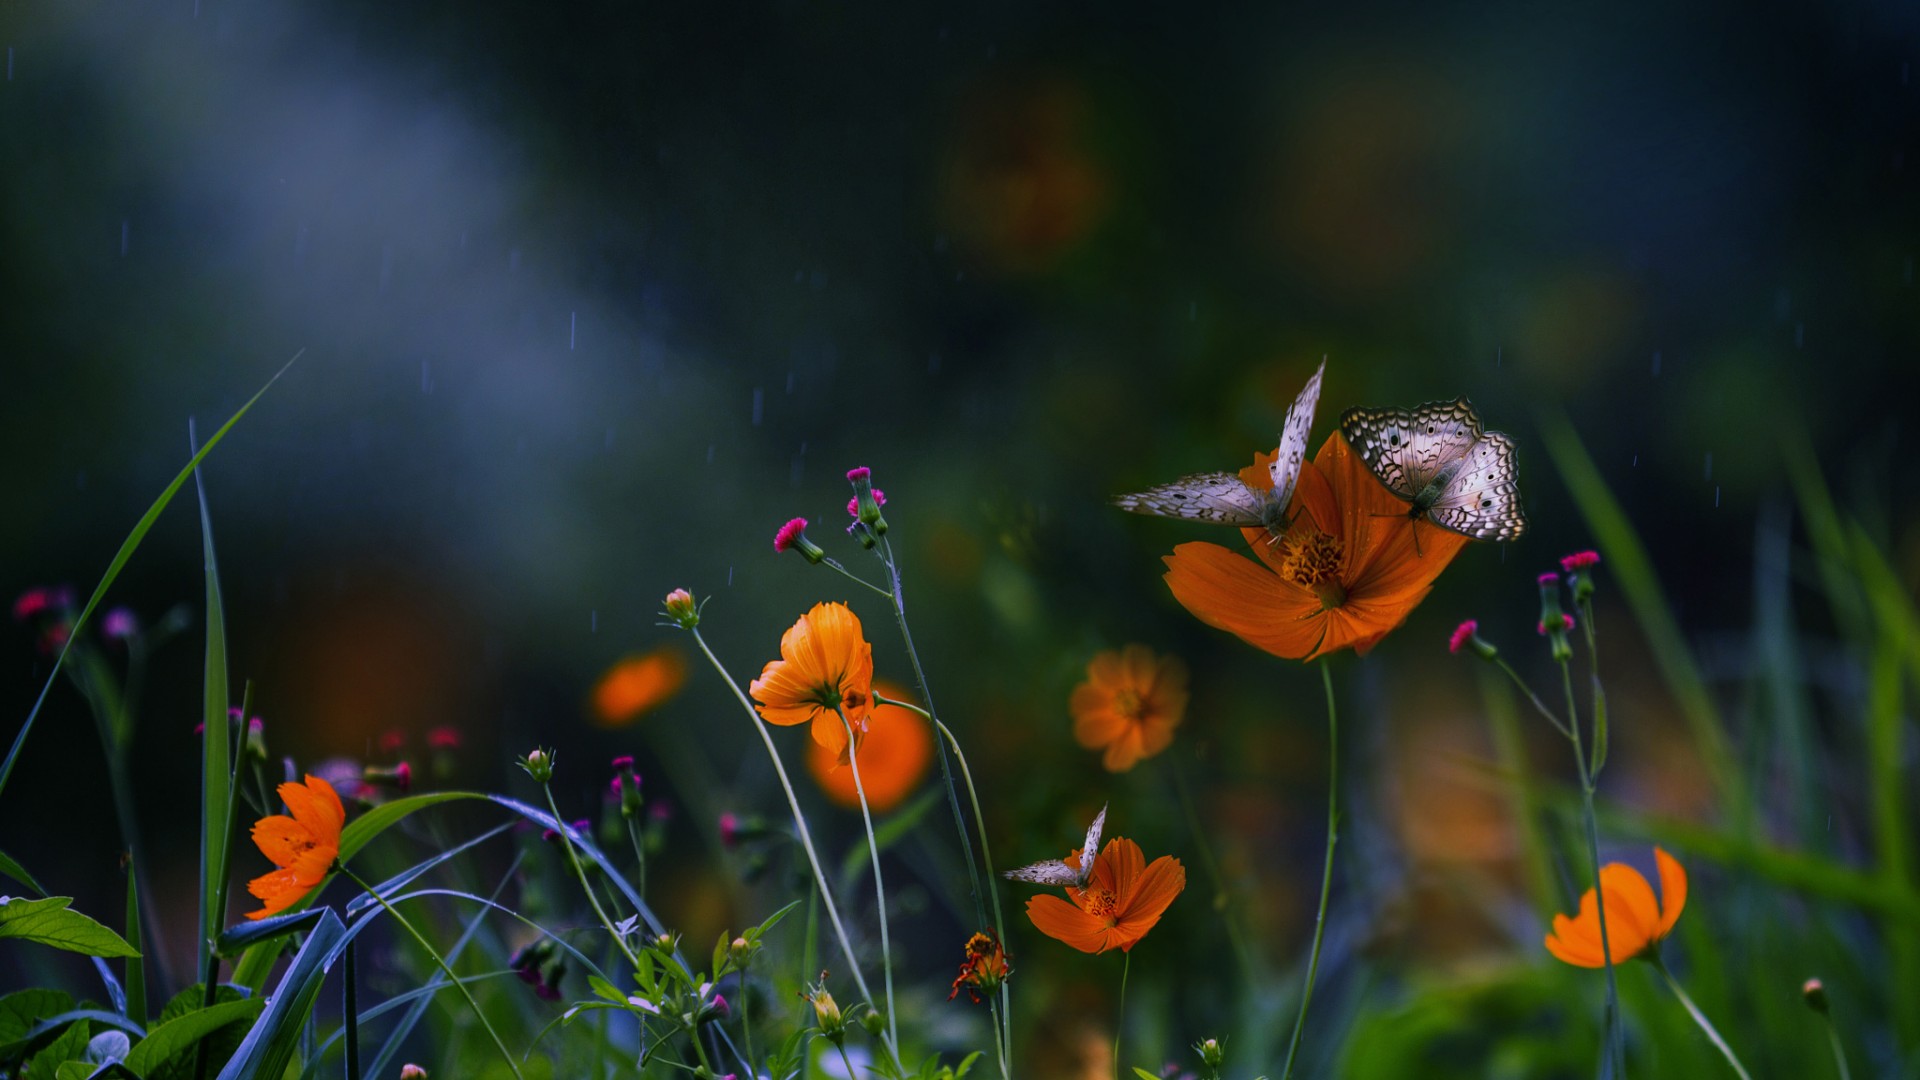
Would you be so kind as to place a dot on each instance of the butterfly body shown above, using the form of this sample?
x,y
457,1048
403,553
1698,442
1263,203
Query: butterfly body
x,y
1056,871
1221,498
1451,471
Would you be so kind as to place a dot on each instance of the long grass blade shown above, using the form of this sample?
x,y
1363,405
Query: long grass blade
x,y
127,548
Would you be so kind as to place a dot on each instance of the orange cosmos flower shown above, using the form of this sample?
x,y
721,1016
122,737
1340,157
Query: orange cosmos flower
x,y
1130,704
894,751
1634,920
824,663
1124,897
637,684
1345,573
302,846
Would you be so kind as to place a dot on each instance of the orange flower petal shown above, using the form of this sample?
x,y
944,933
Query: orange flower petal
x,y
636,685
1635,910
1154,889
1232,593
1673,890
1574,952
317,806
1062,921
1118,866
281,839
1124,751
894,755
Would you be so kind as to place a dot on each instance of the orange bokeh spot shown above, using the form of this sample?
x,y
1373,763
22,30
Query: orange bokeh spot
x,y
893,757
636,685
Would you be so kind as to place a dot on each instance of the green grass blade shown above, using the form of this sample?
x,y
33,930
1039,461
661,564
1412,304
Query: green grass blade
x,y
19,873
120,558
136,974
270,1045
1627,558
216,776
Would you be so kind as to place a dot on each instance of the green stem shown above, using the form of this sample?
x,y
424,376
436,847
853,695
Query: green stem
x,y
799,819
1326,871
1221,898
1539,706
1005,1013
512,1065
851,576
1120,1023
1706,1025
1839,1052
746,1022
580,873
1616,1035
699,1051
879,887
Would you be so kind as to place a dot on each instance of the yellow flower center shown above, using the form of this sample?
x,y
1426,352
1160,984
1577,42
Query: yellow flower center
x,y
1130,704
1313,561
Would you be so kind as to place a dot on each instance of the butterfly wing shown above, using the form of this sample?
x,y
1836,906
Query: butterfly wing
x,y
1220,498
1483,499
1405,449
1285,469
1051,872
1091,847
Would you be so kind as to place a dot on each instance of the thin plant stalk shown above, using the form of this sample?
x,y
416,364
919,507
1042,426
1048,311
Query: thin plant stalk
x,y
440,962
1839,1052
1326,870
580,872
1616,1036
1700,1018
879,886
1120,1022
1221,899
799,819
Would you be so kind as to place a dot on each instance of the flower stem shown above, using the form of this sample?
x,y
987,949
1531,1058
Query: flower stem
x,y
1839,1052
1326,871
1005,1013
1700,1018
1616,1035
879,887
1221,899
580,873
799,819
1539,706
851,576
438,961
1120,1023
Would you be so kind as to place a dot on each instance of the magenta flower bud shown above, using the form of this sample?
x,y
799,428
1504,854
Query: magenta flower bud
x,y
866,501
119,624
794,535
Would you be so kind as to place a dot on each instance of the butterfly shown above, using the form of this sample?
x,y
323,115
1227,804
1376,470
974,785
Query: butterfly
x,y
1225,499
1438,458
1056,871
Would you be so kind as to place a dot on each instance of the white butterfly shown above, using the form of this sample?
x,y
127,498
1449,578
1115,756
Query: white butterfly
x,y
1225,499
1437,458
1056,871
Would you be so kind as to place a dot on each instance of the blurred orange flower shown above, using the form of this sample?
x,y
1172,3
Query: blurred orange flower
x,y
1130,704
302,846
894,755
1344,575
1634,920
637,684
1123,899
825,663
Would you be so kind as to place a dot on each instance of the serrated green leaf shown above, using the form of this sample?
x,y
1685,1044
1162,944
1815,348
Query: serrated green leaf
x,y
605,990
49,922
173,1041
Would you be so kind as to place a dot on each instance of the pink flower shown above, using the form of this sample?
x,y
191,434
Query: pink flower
x,y
789,533
1542,628
859,473
1549,578
1580,560
1462,634
392,740
444,738
623,762
119,624
729,830
853,504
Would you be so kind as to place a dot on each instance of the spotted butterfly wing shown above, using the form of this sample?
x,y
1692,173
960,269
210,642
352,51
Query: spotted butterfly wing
x,y
1440,460
1056,871
1223,498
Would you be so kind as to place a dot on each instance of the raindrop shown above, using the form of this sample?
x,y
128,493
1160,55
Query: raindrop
x,y
710,453
1636,461
799,468
386,265
933,359
300,242
593,621
513,259
757,402
1716,495
608,443
1499,355
80,480
1193,310
1799,335
463,239
520,445
1708,467
426,378
1782,303
9,63
1656,363
125,229
729,577
789,382
573,329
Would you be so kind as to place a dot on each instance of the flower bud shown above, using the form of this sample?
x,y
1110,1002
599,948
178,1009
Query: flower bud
x,y
1815,993
1579,567
399,776
1468,633
682,609
539,764
255,745
626,784
411,1071
826,1011
1554,622
866,500
1212,1054
875,1024
794,535
742,951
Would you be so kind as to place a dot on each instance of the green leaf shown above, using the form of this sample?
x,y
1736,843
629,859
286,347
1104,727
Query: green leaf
x,y
605,990
890,832
120,558
1145,1075
216,772
269,1046
19,873
136,974
48,922
173,1041
70,1046
22,1011
1599,726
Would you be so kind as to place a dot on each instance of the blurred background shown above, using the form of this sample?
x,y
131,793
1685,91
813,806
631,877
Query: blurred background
x,y
592,297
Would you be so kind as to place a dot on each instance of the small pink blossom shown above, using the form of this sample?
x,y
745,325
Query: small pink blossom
x,y
789,533
1580,560
1542,628
1462,634
1549,578
853,504
859,473
119,624
444,738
